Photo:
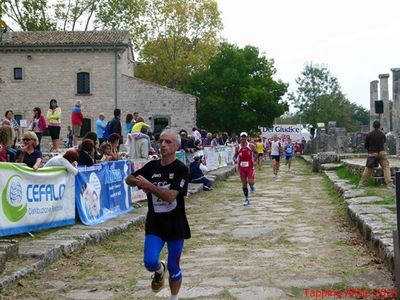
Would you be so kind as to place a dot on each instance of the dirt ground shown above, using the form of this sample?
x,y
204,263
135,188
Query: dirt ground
x,y
292,242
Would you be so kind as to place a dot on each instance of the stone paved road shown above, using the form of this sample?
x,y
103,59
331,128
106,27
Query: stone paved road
x,y
291,237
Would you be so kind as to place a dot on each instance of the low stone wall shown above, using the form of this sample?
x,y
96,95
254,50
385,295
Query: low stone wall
x,y
377,173
374,221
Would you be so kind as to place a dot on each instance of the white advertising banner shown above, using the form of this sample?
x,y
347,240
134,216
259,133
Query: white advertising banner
x,y
35,200
283,132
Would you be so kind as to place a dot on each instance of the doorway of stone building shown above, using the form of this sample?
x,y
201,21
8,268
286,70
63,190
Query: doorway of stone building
x,y
160,123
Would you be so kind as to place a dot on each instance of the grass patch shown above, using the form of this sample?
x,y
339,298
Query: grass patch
x,y
386,201
296,292
344,173
341,207
389,197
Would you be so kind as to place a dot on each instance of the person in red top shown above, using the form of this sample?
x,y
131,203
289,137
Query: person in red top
x,y
76,121
38,124
244,158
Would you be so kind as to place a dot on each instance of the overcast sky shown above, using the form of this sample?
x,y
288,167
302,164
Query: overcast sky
x,y
356,39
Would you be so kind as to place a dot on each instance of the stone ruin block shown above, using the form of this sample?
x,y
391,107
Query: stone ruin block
x,y
391,144
10,248
324,158
3,259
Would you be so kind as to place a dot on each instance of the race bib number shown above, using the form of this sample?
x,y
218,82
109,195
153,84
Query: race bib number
x,y
244,164
161,206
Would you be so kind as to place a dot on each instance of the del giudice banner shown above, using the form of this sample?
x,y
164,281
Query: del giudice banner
x,y
33,201
283,132
101,192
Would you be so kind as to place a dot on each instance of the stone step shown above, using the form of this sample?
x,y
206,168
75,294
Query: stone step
x,y
3,260
10,248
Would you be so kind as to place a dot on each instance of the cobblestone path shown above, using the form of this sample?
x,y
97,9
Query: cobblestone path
x,y
292,237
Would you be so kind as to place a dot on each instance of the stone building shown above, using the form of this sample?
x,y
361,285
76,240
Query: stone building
x,y
95,67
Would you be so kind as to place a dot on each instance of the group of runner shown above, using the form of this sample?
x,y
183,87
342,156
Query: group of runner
x,y
245,152
165,181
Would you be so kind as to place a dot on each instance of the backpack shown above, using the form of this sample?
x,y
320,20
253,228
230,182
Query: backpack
x,y
106,131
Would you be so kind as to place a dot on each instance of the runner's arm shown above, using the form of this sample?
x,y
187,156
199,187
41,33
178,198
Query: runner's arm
x,y
166,195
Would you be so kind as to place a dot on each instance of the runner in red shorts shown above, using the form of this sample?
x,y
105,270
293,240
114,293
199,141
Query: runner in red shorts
x,y
244,158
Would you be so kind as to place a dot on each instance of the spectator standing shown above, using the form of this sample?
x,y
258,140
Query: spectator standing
x,y
38,124
69,137
54,124
137,131
28,154
69,160
135,116
375,145
139,148
115,125
11,122
76,121
196,134
100,126
5,142
128,123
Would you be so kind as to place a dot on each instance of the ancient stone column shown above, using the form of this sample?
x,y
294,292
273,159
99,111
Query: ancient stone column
x,y
396,100
396,107
384,96
373,95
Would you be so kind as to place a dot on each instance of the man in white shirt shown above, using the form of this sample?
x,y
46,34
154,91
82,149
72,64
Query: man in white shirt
x,y
276,149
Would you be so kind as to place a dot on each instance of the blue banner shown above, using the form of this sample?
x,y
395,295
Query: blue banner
x,y
101,192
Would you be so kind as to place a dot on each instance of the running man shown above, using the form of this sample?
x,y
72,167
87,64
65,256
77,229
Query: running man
x,y
165,182
275,155
288,154
244,158
260,152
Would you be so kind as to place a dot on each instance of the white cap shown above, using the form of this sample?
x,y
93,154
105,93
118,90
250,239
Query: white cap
x,y
243,134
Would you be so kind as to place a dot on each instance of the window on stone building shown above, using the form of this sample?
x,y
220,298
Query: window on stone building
x,y
83,83
17,73
160,122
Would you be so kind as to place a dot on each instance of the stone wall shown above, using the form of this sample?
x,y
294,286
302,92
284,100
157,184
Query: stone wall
x,y
338,141
153,100
48,75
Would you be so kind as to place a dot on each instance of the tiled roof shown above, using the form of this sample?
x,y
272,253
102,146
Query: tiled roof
x,y
63,38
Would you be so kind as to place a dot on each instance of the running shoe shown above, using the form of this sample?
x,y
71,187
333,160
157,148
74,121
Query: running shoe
x,y
246,202
252,189
157,282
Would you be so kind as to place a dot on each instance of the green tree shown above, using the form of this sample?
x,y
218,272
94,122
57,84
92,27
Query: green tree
x,y
181,38
314,82
319,98
237,92
30,15
71,15
125,15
